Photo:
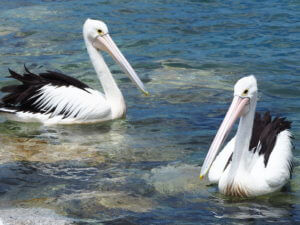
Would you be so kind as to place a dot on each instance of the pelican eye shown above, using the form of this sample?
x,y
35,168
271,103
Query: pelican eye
x,y
245,92
100,31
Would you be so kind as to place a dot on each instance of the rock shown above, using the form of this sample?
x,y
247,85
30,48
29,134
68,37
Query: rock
x,y
32,216
174,179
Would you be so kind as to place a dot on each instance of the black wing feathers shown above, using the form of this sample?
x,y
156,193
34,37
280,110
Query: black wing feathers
x,y
265,131
60,79
22,97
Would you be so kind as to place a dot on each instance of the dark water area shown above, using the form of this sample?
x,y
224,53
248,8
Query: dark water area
x,y
144,169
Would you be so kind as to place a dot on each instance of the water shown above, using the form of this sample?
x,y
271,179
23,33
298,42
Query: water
x,y
144,169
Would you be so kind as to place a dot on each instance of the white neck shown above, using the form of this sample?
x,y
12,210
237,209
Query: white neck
x,y
111,90
243,137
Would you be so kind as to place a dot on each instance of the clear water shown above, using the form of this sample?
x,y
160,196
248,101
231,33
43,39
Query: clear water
x,y
144,169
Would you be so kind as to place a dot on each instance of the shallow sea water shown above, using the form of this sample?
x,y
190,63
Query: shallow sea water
x,y
144,169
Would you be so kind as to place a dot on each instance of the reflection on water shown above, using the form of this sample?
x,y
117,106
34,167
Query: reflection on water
x,y
144,169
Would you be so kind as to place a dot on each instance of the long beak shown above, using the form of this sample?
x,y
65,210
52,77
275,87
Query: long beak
x,y
109,46
235,111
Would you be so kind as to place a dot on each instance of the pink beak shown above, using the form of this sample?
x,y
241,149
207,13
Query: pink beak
x,y
236,109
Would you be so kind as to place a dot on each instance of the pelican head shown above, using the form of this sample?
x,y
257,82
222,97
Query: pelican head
x,y
96,33
246,87
245,92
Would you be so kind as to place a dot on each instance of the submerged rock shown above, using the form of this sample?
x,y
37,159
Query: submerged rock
x,y
38,150
32,216
106,200
174,179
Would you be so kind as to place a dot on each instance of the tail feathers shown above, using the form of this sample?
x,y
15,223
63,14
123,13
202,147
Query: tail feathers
x,y
30,79
27,78
21,93
11,88
23,96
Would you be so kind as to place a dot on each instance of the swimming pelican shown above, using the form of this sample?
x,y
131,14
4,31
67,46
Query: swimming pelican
x,y
258,159
55,98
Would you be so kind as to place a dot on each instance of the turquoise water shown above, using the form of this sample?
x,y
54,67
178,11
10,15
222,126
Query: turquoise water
x,y
144,169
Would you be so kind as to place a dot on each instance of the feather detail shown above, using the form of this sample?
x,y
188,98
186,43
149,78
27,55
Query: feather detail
x,y
264,134
53,94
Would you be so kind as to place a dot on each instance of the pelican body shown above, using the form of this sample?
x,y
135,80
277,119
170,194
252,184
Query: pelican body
x,y
55,98
258,159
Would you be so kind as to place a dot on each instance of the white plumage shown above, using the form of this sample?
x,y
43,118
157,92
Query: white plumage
x,y
258,159
78,106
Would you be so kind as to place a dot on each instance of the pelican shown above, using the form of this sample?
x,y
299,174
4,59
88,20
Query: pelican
x,y
55,98
258,159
